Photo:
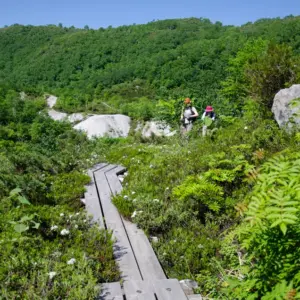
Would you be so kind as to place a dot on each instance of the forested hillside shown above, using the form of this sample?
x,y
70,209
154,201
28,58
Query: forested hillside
x,y
171,58
222,209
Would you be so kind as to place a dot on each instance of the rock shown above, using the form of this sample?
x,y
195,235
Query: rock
x,y
286,106
56,115
157,129
51,101
154,239
77,117
188,286
105,125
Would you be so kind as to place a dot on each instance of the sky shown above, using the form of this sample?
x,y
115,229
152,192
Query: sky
x,y
99,13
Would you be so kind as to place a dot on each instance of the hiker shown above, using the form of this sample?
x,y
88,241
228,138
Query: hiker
x,y
208,113
188,116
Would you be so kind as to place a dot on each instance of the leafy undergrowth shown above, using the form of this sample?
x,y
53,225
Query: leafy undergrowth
x,y
193,195
52,253
49,249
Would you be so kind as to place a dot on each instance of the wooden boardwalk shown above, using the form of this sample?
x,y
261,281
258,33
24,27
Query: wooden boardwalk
x,y
142,275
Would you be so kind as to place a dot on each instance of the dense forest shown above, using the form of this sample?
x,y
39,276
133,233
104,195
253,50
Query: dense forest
x,y
224,208
163,59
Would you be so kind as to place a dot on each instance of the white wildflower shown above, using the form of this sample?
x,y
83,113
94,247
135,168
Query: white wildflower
x,y
245,127
134,200
72,261
77,214
155,200
134,214
70,216
140,211
125,197
61,215
54,227
154,239
167,188
151,166
76,226
164,254
84,221
65,232
200,246
51,274
132,193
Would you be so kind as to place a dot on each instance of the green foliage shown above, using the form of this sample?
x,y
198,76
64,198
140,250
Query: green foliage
x,y
270,232
197,189
158,60
192,192
270,72
67,188
236,85
49,248
55,258
260,69
223,212
276,193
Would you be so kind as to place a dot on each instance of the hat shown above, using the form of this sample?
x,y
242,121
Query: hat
x,y
187,101
209,108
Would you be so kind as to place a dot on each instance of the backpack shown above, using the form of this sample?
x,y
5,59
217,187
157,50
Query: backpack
x,y
193,113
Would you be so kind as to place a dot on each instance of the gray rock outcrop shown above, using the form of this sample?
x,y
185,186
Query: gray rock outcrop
x,y
56,115
157,129
286,106
105,125
76,117
51,101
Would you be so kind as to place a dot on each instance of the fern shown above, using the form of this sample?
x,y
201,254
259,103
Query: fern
x,y
277,194
282,291
197,188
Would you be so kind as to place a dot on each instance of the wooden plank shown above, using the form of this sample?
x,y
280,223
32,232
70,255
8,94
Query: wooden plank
x,y
148,263
139,290
168,289
113,180
111,291
98,167
124,256
111,214
141,297
195,297
122,248
92,204
120,170
91,198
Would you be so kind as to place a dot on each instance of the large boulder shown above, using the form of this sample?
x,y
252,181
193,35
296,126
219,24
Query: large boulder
x,y
51,101
286,106
56,115
105,125
76,117
154,128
